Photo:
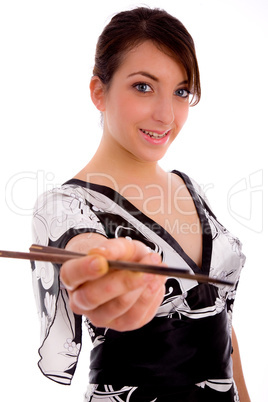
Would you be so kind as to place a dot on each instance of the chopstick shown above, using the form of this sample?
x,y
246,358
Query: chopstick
x,y
59,256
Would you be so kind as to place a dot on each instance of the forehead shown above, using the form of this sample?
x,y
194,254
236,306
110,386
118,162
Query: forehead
x,y
148,57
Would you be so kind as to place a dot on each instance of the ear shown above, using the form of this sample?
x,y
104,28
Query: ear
x,y
97,92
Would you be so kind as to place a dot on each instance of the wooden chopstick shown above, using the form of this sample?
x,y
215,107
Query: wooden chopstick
x,y
59,256
54,250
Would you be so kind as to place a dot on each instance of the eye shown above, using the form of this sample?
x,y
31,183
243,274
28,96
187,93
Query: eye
x,y
142,87
182,93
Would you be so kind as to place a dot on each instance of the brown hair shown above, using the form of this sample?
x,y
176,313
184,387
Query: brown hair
x,y
131,28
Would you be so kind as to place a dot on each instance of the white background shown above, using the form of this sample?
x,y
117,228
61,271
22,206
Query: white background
x,y
49,130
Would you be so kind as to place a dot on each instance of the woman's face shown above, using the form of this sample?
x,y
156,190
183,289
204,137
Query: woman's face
x,y
146,104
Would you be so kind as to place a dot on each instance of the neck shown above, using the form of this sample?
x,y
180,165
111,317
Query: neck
x,y
120,166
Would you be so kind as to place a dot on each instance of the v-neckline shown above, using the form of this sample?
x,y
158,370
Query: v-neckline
x,y
134,211
205,226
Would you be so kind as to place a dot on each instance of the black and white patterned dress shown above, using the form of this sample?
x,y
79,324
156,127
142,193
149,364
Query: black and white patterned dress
x,y
184,353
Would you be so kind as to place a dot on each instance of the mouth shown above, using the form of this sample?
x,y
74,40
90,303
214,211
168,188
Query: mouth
x,y
156,136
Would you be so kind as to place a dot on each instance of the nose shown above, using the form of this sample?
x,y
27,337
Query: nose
x,y
164,111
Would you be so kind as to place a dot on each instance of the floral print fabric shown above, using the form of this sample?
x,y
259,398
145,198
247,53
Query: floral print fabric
x,y
78,207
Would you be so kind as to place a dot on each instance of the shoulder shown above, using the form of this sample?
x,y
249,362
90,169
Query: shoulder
x,y
64,211
66,193
193,186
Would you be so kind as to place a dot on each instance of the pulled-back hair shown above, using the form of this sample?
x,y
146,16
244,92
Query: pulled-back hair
x,y
129,29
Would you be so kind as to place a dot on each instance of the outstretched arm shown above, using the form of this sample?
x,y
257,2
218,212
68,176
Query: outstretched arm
x,y
121,300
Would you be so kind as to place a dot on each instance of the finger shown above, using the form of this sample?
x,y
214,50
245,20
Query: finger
x,y
144,308
151,258
122,249
130,309
107,313
141,312
92,294
77,271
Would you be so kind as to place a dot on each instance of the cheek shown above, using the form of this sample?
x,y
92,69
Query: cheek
x,y
186,113
133,109
182,115
124,108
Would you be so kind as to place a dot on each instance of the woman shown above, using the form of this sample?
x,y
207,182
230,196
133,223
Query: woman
x,y
154,338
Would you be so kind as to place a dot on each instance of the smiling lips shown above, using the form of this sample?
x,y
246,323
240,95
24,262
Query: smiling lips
x,y
155,135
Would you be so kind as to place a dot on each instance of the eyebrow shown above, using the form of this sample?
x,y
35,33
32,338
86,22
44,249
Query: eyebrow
x,y
148,75
152,77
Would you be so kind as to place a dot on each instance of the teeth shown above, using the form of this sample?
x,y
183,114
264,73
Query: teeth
x,y
154,135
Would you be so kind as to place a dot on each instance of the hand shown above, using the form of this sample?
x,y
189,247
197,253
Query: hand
x,y
118,299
